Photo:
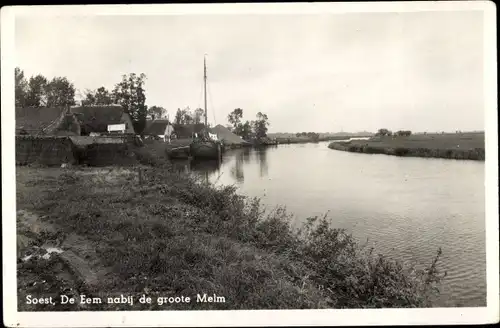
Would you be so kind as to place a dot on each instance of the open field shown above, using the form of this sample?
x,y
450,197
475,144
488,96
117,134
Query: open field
x,y
149,230
449,145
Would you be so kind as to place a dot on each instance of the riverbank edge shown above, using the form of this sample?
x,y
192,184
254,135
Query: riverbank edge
x,y
220,242
477,154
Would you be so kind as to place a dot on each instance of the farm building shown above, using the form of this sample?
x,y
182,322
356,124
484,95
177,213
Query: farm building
x,y
97,120
159,128
54,136
94,120
39,120
228,137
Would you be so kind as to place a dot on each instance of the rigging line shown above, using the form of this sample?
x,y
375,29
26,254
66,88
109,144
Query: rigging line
x,y
211,103
200,96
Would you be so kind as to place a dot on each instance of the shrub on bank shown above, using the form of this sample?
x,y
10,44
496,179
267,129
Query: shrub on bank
x,y
347,274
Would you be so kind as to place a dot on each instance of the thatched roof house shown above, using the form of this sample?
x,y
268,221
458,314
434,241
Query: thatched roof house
x,y
228,137
38,120
159,129
156,127
183,131
68,126
98,118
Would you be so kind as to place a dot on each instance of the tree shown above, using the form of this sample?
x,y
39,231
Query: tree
x,y
179,118
383,132
199,115
235,117
89,98
99,97
130,94
103,97
21,88
156,112
244,130
60,93
35,95
260,125
403,133
39,92
187,116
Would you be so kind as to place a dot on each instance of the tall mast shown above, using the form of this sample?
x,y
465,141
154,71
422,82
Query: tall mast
x,y
205,86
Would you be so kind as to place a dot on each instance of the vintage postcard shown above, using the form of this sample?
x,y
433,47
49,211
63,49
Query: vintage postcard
x,y
274,164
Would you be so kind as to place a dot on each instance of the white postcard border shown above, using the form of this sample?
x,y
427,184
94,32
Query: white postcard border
x,y
432,316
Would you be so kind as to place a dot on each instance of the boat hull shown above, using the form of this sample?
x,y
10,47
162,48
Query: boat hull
x,y
206,150
179,153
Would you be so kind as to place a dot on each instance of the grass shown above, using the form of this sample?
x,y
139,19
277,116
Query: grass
x,y
449,145
162,233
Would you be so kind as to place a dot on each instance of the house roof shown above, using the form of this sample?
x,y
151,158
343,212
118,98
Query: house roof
x,y
156,127
186,130
97,118
36,118
68,126
226,135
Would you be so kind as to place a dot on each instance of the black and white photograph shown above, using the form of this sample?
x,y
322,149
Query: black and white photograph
x,y
322,163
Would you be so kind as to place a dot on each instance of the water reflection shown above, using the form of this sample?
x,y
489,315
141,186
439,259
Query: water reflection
x,y
241,157
407,207
261,156
203,169
209,167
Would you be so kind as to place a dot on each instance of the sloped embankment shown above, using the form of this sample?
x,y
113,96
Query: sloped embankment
x,y
163,234
418,146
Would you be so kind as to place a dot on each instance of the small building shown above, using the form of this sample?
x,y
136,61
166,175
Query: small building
x,y
98,120
161,129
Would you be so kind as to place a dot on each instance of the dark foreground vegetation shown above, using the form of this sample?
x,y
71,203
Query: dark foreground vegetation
x,y
148,230
468,146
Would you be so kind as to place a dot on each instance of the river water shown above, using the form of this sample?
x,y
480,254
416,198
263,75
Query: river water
x,y
406,207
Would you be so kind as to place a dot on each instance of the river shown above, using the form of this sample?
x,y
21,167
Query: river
x,y
406,207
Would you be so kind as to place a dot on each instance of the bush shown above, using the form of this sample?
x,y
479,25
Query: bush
x,y
347,274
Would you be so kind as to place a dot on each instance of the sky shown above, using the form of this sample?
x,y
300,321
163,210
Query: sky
x,y
419,71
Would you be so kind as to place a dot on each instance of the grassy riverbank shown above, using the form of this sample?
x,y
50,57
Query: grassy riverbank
x,y
449,145
149,230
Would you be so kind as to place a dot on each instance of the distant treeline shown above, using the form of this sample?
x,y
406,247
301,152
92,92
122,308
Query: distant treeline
x,y
386,132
